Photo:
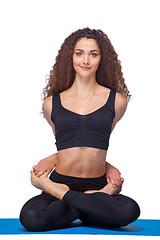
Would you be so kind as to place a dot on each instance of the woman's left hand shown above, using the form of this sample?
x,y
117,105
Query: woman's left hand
x,y
113,175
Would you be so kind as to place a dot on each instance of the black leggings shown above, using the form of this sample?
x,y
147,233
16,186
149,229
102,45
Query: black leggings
x,y
45,212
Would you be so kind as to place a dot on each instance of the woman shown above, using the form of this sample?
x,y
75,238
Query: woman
x,y
84,99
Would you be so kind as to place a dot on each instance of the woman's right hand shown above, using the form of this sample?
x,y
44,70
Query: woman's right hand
x,y
45,166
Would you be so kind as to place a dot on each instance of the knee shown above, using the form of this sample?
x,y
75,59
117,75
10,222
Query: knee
x,y
130,213
32,221
26,218
29,220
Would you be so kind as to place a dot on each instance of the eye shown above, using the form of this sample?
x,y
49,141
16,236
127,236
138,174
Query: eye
x,y
78,53
94,54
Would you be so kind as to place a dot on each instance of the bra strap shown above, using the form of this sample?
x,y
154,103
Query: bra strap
x,y
111,100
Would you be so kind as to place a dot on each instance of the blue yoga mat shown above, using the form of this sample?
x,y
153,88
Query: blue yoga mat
x,y
144,227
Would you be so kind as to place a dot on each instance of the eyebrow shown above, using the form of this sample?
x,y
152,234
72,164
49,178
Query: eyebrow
x,y
83,51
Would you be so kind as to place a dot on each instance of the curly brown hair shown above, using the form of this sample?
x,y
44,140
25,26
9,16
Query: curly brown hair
x,y
109,73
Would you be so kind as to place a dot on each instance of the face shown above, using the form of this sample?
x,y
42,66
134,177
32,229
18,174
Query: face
x,y
86,57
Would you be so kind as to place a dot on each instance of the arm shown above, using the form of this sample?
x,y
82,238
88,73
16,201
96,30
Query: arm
x,y
113,174
46,165
120,108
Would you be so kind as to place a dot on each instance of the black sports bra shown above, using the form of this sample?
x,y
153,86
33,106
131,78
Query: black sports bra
x,y
89,130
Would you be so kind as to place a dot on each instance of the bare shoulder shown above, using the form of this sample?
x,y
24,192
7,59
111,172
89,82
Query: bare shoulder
x,y
120,101
120,106
47,105
47,109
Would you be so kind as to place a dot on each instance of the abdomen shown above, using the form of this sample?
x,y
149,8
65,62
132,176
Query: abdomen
x,y
82,162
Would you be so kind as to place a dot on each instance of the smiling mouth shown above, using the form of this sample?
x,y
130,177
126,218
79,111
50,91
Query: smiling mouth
x,y
85,68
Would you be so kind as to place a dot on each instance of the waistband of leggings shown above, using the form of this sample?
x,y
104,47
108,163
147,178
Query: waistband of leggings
x,y
77,178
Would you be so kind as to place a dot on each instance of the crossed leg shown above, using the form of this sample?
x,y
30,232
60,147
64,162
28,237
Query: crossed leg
x,y
45,212
98,207
102,209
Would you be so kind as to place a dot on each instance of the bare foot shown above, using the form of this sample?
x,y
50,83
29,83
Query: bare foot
x,y
109,189
45,184
38,182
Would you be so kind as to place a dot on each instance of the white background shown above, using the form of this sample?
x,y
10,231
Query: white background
x,y
32,32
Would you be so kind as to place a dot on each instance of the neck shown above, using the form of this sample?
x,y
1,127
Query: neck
x,y
84,86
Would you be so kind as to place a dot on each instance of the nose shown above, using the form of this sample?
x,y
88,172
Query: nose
x,y
86,59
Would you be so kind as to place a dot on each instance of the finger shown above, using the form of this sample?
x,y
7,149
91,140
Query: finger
x,y
43,175
108,180
122,179
120,182
46,173
117,182
39,174
34,168
35,171
113,183
32,175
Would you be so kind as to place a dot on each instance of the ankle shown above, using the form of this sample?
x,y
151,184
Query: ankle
x,y
57,190
62,191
